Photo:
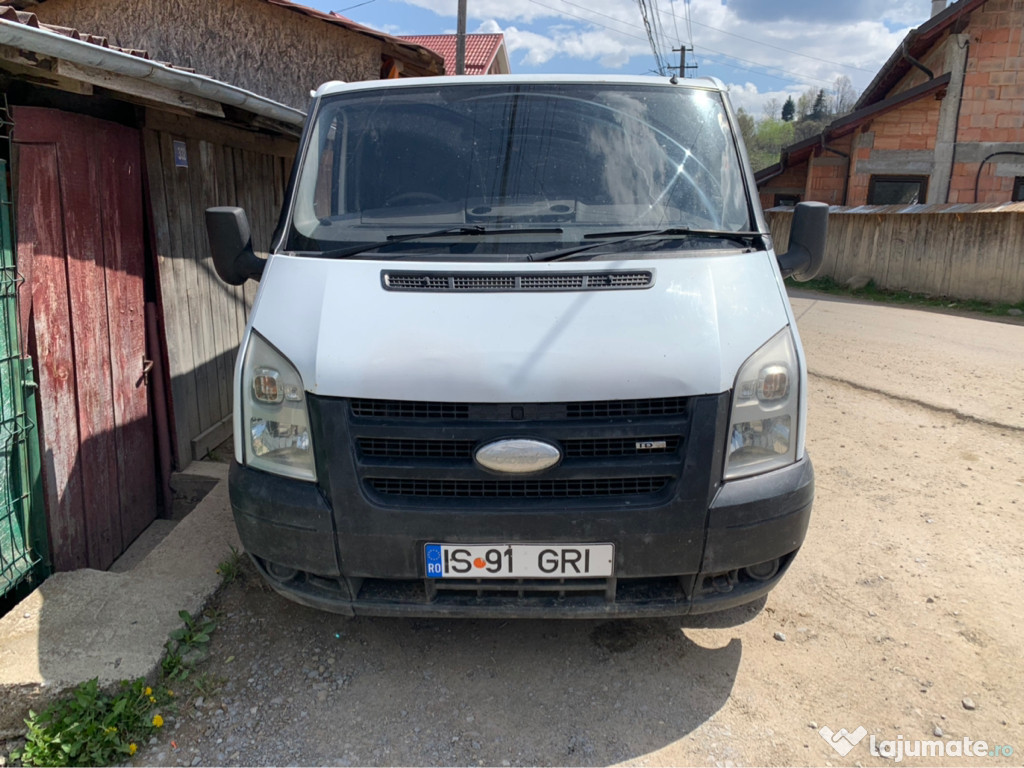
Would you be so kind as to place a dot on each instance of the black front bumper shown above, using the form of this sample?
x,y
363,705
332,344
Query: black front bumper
x,y
754,527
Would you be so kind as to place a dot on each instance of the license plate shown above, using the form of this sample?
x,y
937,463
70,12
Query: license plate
x,y
519,561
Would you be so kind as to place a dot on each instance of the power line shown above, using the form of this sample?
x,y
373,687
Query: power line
x,y
762,67
761,42
650,34
689,21
793,76
590,21
675,26
689,26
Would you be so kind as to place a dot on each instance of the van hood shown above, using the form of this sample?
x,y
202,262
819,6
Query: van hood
x,y
350,336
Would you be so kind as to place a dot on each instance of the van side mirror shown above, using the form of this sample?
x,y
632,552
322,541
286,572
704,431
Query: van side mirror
x,y
807,238
231,245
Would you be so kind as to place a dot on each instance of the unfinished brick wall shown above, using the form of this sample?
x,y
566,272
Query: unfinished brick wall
x,y
828,170
992,109
792,181
887,140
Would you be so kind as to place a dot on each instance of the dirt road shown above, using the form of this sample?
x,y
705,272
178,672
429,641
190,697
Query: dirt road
x,y
902,615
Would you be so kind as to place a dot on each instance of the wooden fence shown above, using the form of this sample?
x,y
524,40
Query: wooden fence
x,y
960,251
193,164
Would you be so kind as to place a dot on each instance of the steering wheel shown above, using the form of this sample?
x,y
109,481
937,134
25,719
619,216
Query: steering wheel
x,y
413,198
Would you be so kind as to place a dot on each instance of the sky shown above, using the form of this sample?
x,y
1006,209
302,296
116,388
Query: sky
x,y
764,50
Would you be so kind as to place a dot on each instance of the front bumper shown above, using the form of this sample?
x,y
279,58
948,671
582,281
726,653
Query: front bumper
x,y
754,528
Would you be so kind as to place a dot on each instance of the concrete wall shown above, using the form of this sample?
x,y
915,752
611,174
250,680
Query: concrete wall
x,y
255,45
976,255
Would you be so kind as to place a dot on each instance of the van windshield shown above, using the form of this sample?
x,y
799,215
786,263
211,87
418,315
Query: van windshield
x,y
508,169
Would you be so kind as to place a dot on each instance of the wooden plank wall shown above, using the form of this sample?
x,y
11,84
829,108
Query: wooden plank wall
x,y
962,255
204,318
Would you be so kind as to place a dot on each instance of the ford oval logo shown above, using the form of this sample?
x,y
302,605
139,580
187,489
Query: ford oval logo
x,y
517,456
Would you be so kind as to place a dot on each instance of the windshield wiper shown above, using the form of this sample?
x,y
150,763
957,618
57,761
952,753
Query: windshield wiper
x,y
625,237
462,229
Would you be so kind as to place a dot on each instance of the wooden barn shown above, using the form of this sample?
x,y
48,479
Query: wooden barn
x,y
113,159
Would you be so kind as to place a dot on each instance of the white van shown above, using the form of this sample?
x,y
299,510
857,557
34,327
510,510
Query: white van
x,y
521,348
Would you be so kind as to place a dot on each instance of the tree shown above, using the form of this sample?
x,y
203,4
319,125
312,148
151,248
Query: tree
x,y
819,111
764,139
771,108
803,104
789,110
748,127
843,96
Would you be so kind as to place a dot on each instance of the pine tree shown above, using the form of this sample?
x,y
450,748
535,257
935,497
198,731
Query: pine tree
x,y
789,110
820,109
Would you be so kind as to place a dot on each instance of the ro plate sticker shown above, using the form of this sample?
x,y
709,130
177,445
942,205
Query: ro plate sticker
x,y
435,567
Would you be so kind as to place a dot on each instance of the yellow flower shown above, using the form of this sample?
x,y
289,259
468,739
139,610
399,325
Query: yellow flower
x,y
133,748
153,699
158,721
170,693
111,729
149,691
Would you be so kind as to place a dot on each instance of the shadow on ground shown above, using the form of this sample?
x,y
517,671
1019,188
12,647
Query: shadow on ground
x,y
306,687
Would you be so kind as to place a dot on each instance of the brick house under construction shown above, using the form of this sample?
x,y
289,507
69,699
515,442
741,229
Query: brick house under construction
x,y
942,121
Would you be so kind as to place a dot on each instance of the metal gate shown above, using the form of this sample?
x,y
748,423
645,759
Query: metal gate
x,y
22,531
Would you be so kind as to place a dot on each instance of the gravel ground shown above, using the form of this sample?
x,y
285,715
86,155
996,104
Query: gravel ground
x,y
902,614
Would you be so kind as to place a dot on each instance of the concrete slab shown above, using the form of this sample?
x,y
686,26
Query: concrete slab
x,y
112,626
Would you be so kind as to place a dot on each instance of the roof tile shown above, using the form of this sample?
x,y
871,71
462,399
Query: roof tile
x,y
480,50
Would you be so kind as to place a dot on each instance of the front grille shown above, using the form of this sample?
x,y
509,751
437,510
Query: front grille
x,y
417,454
399,448
518,489
528,412
477,282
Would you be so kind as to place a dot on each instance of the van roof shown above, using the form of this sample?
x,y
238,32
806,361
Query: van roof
x,y
333,87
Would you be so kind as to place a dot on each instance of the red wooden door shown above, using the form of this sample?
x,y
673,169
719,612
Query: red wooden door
x,y
81,251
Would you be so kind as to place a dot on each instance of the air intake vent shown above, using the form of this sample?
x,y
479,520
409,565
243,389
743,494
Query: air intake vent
x,y
594,409
409,409
401,448
483,282
518,489
602,409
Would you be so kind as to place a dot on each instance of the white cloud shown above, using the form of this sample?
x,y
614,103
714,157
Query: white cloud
x,y
767,50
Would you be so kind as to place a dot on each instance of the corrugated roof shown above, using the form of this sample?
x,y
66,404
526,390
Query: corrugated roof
x,y
425,57
480,50
428,57
8,13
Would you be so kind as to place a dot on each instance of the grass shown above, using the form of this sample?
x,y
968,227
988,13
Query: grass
x,y
93,726
230,568
872,292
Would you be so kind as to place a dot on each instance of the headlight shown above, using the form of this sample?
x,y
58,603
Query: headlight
x,y
274,416
765,409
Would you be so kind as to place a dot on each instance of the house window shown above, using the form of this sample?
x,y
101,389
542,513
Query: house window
x,y
1018,189
897,190
786,200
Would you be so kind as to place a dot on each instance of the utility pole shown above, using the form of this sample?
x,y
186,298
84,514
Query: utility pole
x,y
460,42
683,66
